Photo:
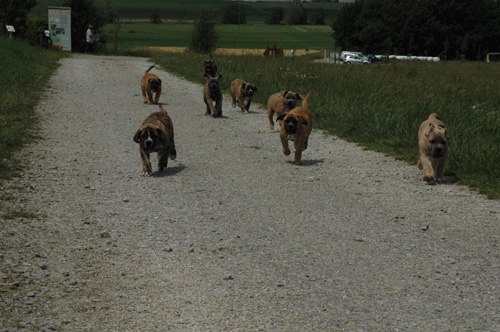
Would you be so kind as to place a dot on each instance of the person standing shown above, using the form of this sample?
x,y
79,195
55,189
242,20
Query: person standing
x,y
45,40
89,38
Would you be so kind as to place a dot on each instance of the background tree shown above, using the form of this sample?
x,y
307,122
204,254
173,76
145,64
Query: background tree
x,y
37,23
155,17
318,17
420,27
204,37
15,13
234,14
83,13
277,14
296,13
110,13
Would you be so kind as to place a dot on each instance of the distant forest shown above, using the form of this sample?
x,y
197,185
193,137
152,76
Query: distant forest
x,y
420,27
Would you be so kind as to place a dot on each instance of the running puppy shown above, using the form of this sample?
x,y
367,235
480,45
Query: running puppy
x,y
242,91
213,93
433,143
280,103
156,134
150,83
297,126
210,67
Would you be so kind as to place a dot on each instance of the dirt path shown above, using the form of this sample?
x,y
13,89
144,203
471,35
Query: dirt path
x,y
233,237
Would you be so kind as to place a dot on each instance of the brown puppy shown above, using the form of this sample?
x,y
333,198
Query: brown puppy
x,y
433,144
156,134
242,91
280,103
213,93
210,67
56,47
297,126
150,83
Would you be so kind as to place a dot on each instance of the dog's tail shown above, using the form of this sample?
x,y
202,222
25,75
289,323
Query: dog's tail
x,y
147,71
434,116
304,102
162,109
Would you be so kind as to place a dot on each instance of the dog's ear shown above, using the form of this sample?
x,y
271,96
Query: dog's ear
x,y
429,130
137,135
281,117
254,88
302,120
243,86
283,93
159,80
219,77
299,97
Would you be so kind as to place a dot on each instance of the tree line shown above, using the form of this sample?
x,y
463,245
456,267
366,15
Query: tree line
x,y
449,28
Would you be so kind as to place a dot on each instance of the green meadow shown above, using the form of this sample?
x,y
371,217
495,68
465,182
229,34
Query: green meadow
x,y
256,12
313,37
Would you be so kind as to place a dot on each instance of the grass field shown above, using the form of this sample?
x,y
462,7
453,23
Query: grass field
x,y
256,12
382,106
230,36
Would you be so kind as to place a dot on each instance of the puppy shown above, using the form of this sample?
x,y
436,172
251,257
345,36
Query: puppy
x,y
281,103
150,83
213,93
242,91
156,134
56,47
210,67
297,126
433,143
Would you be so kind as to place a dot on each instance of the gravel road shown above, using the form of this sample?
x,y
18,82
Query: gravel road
x,y
233,236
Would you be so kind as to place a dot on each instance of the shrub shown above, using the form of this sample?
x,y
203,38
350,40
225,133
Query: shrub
x,y
204,37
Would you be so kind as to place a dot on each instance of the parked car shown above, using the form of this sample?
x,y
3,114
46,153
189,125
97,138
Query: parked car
x,y
372,58
355,59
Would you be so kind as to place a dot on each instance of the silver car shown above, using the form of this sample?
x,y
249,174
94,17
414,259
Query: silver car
x,y
354,59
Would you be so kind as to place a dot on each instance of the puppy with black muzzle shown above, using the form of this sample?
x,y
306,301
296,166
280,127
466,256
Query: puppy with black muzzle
x,y
242,92
433,144
210,67
297,126
150,84
212,93
280,103
156,134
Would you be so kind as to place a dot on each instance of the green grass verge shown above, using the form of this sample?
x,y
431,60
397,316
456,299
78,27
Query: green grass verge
x,y
382,106
315,37
24,74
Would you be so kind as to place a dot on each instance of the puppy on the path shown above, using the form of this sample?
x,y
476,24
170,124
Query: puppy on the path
x,y
297,126
280,103
150,84
242,92
433,143
156,134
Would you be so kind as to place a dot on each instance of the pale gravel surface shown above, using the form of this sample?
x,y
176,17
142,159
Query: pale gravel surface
x,y
233,237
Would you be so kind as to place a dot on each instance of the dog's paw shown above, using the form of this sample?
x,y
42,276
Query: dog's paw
x,y
146,173
286,152
297,162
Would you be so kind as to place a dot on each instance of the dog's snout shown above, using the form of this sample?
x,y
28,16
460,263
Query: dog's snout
x,y
148,143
